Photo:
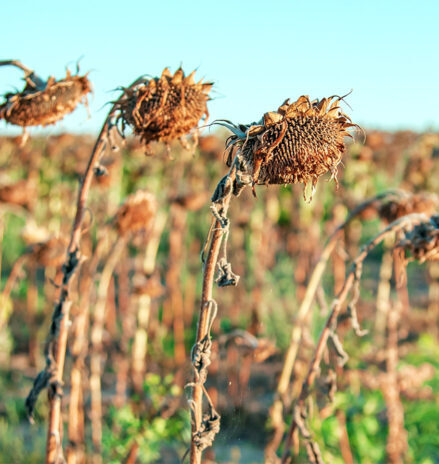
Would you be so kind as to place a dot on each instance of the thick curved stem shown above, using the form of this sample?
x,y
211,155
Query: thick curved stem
x,y
30,75
203,319
57,340
17,64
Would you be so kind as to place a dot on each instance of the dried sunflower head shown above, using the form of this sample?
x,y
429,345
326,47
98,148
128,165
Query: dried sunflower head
x,y
43,102
164,108
297,143
423,240
402,205
21,193
137,213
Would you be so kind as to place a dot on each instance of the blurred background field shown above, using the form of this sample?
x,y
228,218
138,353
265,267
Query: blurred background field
x,y
140,335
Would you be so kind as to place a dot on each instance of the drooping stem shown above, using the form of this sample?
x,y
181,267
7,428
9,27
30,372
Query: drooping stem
x,y
211,259
174,303
293,348
276,410
52,375
145,267
29,73
79,350
17,64
397,445
300,408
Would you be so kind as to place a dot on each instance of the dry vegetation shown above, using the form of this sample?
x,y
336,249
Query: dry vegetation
x,y
319,345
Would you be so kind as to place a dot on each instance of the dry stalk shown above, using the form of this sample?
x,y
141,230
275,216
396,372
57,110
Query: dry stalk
x,y
299,142
128,323
79,350
97,346
174,302
299,408
143,297
276,411
204,428
132,454
383,292
345,447
31,303
52,375
397,437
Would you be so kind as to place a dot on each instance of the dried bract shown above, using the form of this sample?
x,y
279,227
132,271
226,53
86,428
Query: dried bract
x,y
43,103
402,205
423,240
137,213
298,143
165,108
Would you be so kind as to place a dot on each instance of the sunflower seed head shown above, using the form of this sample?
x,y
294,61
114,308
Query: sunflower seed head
x,y
165,108
35,106
298,143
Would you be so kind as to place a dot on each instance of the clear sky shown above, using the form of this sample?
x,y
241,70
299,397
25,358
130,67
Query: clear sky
x,y
258,53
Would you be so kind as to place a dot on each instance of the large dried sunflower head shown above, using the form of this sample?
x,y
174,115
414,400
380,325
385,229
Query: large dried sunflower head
x,y
402,205
164,108
423,240
297,143
137,213
43,103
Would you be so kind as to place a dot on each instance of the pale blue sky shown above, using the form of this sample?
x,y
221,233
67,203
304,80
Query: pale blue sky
x,y
258,53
